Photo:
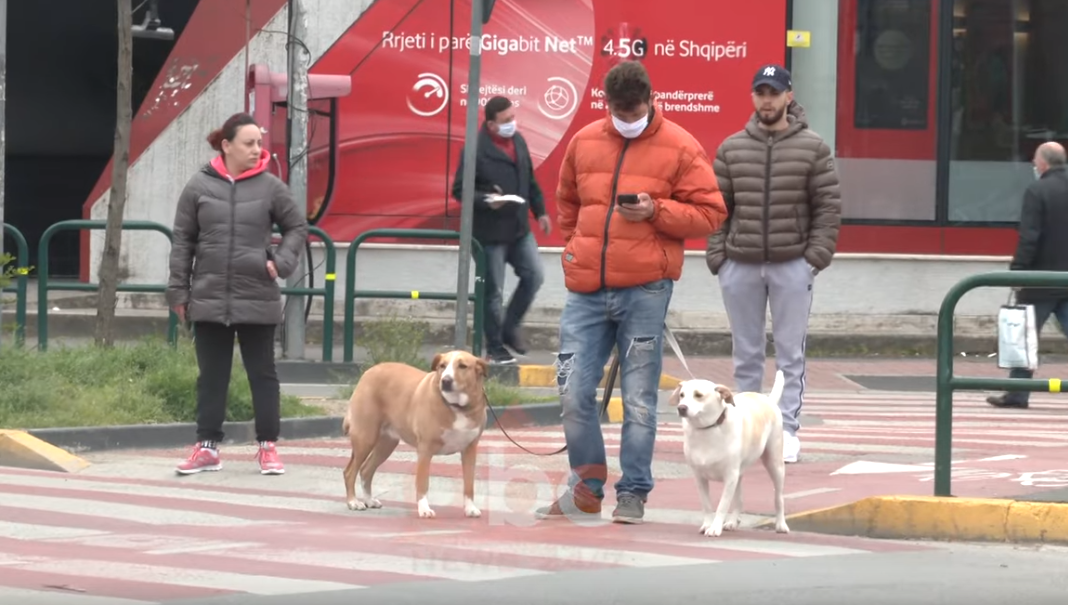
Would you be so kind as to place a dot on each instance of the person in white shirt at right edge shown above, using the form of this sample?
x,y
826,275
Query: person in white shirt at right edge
x,y
780,184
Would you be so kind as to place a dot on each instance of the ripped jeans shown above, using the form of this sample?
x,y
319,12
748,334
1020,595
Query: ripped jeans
x,y
631,319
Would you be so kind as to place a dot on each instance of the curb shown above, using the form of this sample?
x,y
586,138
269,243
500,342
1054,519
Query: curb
x,y
942,519
698,342
20,449
545,376
177,435
523,375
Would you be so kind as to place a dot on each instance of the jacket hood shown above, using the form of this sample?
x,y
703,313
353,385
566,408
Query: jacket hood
x,y
795,117
217,167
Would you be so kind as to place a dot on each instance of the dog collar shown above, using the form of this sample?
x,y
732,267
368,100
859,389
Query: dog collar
x,y
722,417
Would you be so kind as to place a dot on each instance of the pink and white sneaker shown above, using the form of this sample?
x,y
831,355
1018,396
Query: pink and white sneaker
x,y
202,459
270,464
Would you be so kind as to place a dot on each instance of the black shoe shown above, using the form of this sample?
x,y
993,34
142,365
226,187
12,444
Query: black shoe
x,y
502,358
629,509
1003,401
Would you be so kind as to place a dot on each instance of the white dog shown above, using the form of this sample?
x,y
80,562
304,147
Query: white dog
x,y
723,434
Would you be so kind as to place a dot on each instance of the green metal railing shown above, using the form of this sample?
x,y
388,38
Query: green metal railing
x,y
22,279
44,287
351,293
327,291
947,383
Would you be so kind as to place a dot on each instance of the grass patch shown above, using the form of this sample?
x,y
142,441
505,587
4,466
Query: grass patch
x,y
401,340
144,383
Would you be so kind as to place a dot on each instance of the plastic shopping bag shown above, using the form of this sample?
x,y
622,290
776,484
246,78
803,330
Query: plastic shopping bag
x,y
1017,338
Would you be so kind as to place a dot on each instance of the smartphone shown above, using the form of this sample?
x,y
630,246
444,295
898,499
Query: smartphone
x,y
627,199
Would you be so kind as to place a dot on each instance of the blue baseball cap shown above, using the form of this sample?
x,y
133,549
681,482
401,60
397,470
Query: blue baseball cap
x,y
775,76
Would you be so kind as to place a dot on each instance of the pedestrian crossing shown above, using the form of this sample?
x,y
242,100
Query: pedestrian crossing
x,y
149,539
127,530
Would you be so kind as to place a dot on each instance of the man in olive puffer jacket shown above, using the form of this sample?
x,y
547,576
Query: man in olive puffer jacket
x,y
779,181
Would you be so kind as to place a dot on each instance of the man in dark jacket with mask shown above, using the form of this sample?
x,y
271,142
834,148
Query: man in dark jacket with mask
x,y
503,166
779,181
1041,247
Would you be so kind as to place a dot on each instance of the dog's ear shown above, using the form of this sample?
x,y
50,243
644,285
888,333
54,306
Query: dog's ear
x,y
436,363
481,367
725,394
675,396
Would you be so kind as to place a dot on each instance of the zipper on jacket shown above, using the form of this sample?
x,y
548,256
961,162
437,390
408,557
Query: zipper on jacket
x,y
608,217
767,199
230,256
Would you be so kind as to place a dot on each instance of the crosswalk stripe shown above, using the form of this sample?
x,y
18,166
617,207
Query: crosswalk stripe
x,y
57,597
194,578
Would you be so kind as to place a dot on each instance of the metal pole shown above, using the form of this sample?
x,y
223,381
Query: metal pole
x,y
293,338
3,131
463,273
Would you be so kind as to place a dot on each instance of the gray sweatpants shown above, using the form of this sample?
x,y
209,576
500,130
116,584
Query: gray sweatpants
x,y
747,289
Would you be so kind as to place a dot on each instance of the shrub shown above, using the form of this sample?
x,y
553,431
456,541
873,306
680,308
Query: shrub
x,y
149,382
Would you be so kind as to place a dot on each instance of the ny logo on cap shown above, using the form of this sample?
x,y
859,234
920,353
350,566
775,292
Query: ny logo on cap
x,y
769,71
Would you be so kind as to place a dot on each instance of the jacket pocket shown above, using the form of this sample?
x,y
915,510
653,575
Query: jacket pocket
x,y
265,256
802,232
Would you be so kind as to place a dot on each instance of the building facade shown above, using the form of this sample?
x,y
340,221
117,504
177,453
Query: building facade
x,y
933,108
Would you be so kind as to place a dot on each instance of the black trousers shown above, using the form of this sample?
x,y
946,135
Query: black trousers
x,y
215,356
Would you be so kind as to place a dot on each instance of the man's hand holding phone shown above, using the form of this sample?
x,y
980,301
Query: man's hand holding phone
x,y
635,207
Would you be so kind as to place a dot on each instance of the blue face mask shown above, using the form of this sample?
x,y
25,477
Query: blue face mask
x,y
506,130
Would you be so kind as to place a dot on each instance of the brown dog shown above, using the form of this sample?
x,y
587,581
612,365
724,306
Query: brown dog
x,y
439,413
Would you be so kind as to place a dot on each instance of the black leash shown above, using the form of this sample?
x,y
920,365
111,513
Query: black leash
x,y
612,373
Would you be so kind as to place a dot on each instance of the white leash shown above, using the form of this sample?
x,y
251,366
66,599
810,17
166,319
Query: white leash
x,y
674,344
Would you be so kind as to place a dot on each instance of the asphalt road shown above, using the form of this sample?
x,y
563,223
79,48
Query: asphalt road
x,y
947,574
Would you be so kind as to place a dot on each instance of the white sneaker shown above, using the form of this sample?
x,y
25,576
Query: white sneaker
x,y
791,448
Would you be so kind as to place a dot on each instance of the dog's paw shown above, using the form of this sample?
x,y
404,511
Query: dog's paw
x,y
471,510
372,502
356,505
732,524
714,531
425,512
781,527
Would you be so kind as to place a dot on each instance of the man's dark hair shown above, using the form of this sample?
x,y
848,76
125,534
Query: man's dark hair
x,y
495,106
627,86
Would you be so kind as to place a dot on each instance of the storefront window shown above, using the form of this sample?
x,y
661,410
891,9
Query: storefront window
x,y
1009,94
867,82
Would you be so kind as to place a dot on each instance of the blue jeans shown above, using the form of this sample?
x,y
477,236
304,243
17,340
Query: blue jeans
x,y
523,256
631,319
1043,310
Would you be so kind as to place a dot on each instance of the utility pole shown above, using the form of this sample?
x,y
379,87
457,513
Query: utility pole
x,y
463,273
293,338
3,129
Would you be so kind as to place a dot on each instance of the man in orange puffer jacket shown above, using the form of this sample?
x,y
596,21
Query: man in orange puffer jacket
x,y
633,186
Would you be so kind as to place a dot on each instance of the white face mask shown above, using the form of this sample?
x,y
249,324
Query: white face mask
x,y
630,130
1038,174
506,130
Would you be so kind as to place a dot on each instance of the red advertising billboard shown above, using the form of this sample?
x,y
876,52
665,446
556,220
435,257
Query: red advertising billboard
x,y
401,131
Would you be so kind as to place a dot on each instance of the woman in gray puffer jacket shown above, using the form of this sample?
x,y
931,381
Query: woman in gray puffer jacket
x,y
223,278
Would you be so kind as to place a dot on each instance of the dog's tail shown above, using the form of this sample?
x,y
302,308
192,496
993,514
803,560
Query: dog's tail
x,y
776,389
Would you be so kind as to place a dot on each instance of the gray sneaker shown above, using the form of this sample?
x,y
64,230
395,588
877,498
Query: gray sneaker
x,y
629,509
566,507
